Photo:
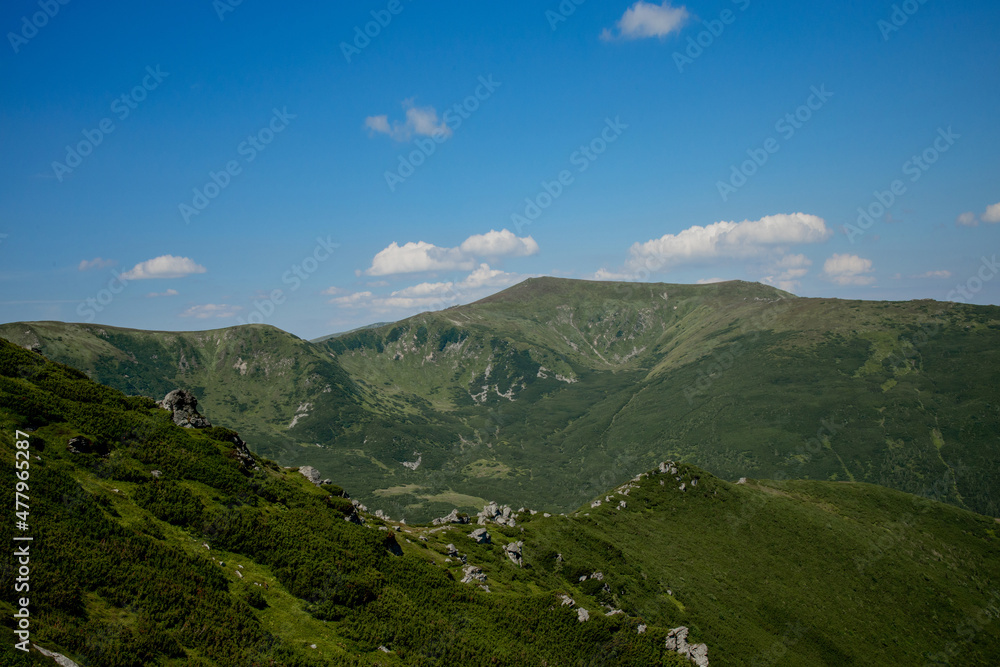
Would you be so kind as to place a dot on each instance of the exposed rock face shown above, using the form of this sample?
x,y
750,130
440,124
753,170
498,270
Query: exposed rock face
x,y
480,536
501,515
451,518
185,408
59,659
81,445
242,453
513,551
473,574
311,474
677,642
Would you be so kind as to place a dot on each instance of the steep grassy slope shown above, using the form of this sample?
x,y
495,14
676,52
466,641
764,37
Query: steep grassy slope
x,y
217,560
775,573
553,390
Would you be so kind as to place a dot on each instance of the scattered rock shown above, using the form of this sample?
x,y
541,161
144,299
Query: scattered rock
x,y
59,658
480,536
454,517
155,473
81,445
452,550
513,551
379,514
381,648
595,504
743,480
677,642
473,574
641,629
502,515
311,474
184,407
582,615
683,486
566,601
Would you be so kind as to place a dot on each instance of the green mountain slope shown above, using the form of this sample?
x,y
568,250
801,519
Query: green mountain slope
x,y
553,390
223,559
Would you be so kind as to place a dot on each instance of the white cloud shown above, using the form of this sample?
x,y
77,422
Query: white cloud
x,y
96,263
644,19
967,219
849,270
332,291
351,300
169,292
750,238
211,310
421,256
499,244
935,274
434,295
165,266
992,214
787,271
420,121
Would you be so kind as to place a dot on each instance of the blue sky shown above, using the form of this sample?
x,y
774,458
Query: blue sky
x,y
206,163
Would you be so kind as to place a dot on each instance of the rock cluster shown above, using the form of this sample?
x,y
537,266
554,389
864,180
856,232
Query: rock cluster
x,y
313,475
81,445
184,407
454,517
473,574
501,515
677,642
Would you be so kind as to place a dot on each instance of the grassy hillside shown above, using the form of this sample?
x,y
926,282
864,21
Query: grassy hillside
x,y
221,560
553,390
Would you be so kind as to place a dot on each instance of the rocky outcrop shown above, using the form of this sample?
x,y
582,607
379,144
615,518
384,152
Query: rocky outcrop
x,y
313,475
454,517
480,536
473,574
184,407
81,445
582,615
514,552
59,658
677,642
501,515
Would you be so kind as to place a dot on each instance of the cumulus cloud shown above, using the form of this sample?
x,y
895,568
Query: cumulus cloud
x,y
992,214
420,121
967,219
475,285
208,310
787,272
849,270
420,256
499,244
750,238
165,266
645,19
96,263
169,292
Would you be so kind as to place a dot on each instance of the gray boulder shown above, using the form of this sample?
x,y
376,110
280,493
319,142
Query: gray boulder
x,y
184,407
677,642
450,518
480,536
514,552
473,574
311,474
